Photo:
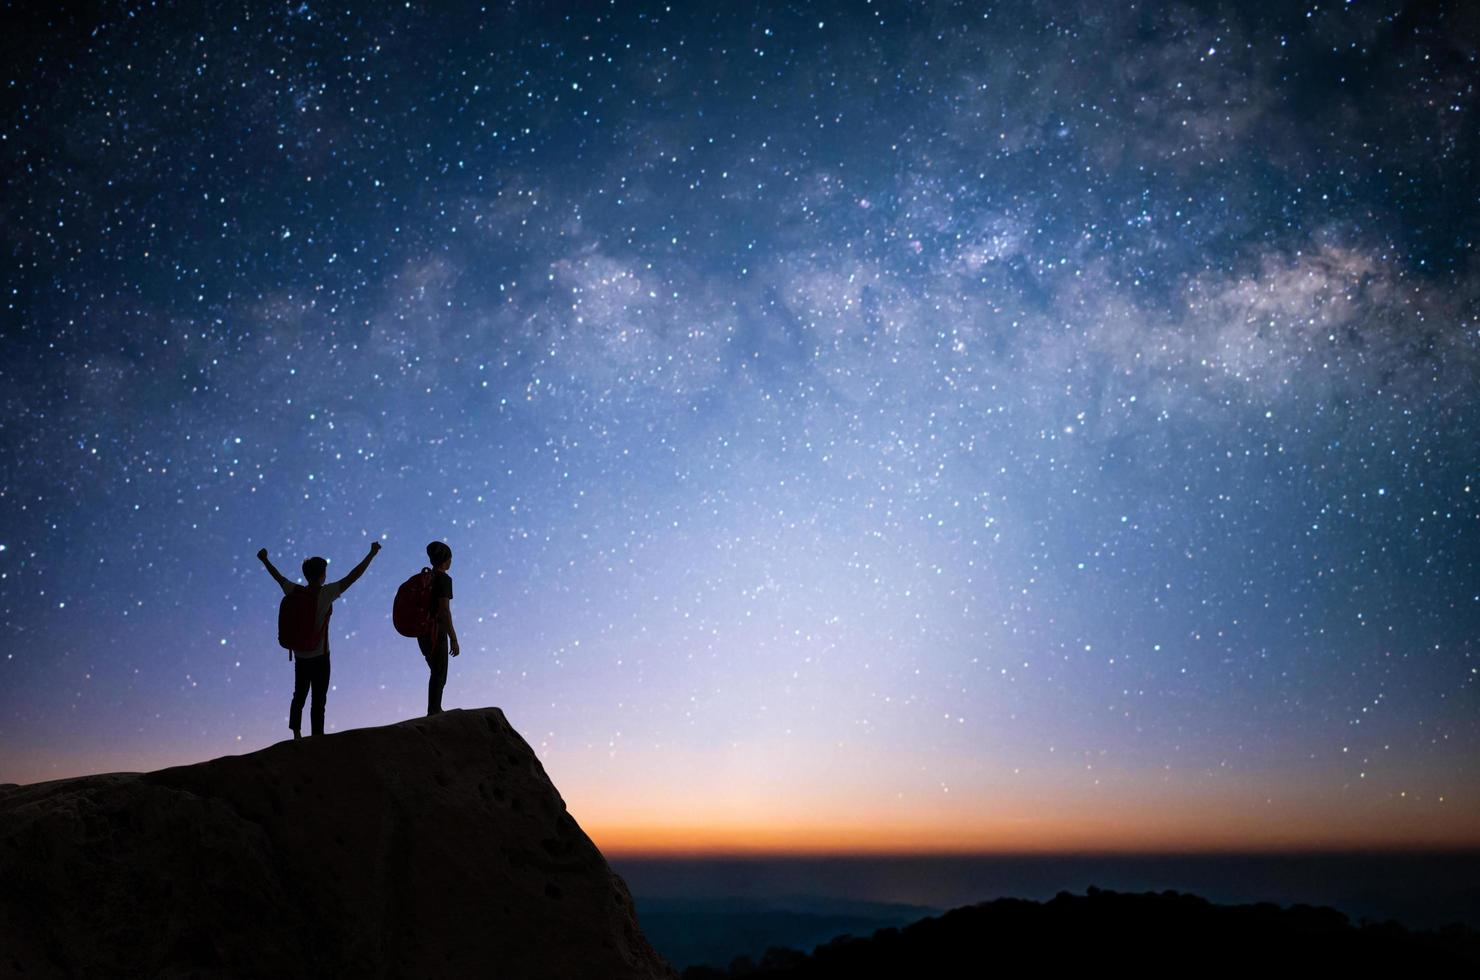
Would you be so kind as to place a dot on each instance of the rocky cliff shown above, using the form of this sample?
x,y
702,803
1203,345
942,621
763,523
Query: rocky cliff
x,y
435,847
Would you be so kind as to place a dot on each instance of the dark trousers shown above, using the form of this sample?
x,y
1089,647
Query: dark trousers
x,y
312,673
434,649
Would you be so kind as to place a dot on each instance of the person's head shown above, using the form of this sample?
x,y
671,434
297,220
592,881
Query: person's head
x,y
314,570
439,555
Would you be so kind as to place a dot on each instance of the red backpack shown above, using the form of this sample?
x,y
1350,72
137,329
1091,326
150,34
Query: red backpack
x,y
412,612
298,626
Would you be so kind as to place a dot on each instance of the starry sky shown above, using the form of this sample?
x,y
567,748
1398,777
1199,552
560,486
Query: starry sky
x,y
860,426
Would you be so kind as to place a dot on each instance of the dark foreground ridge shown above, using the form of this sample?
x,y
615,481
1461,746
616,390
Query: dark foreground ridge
x,y
1167,934
434,847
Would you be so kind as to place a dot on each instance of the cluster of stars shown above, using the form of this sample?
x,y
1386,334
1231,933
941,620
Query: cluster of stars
x,y
1029,403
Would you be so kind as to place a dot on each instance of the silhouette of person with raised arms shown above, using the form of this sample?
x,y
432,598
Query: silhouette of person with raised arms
x,y
436,645
311,666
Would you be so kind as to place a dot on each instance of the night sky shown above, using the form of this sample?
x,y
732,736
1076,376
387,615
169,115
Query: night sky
x,y
860,425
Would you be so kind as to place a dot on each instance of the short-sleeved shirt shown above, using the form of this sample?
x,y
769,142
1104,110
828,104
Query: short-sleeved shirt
x,y
441,589
436,641
328,592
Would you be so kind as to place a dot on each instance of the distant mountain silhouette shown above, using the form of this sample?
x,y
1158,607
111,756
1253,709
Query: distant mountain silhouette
x,y
1164,934
431,848
713,931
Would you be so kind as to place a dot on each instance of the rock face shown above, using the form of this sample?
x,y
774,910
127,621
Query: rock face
x,y
435,847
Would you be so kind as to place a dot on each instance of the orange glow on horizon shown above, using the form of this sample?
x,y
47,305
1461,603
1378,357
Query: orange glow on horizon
x,y
1059,839
1140,817
755,800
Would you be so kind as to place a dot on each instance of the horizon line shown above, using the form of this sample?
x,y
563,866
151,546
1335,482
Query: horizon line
x,y
761,853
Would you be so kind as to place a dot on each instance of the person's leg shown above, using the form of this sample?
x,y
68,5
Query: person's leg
x,y
301,681
437,681
320,693
434,650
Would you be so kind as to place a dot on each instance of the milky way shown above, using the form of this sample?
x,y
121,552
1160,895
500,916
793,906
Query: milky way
x,y
918,425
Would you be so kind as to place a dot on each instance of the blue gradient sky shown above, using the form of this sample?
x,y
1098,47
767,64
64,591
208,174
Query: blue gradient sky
x,y
861,426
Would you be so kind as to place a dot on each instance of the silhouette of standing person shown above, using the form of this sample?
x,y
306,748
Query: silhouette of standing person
x,y
311,666
436,646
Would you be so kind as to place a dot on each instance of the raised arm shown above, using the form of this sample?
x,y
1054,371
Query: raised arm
x,y
277,576
358,570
